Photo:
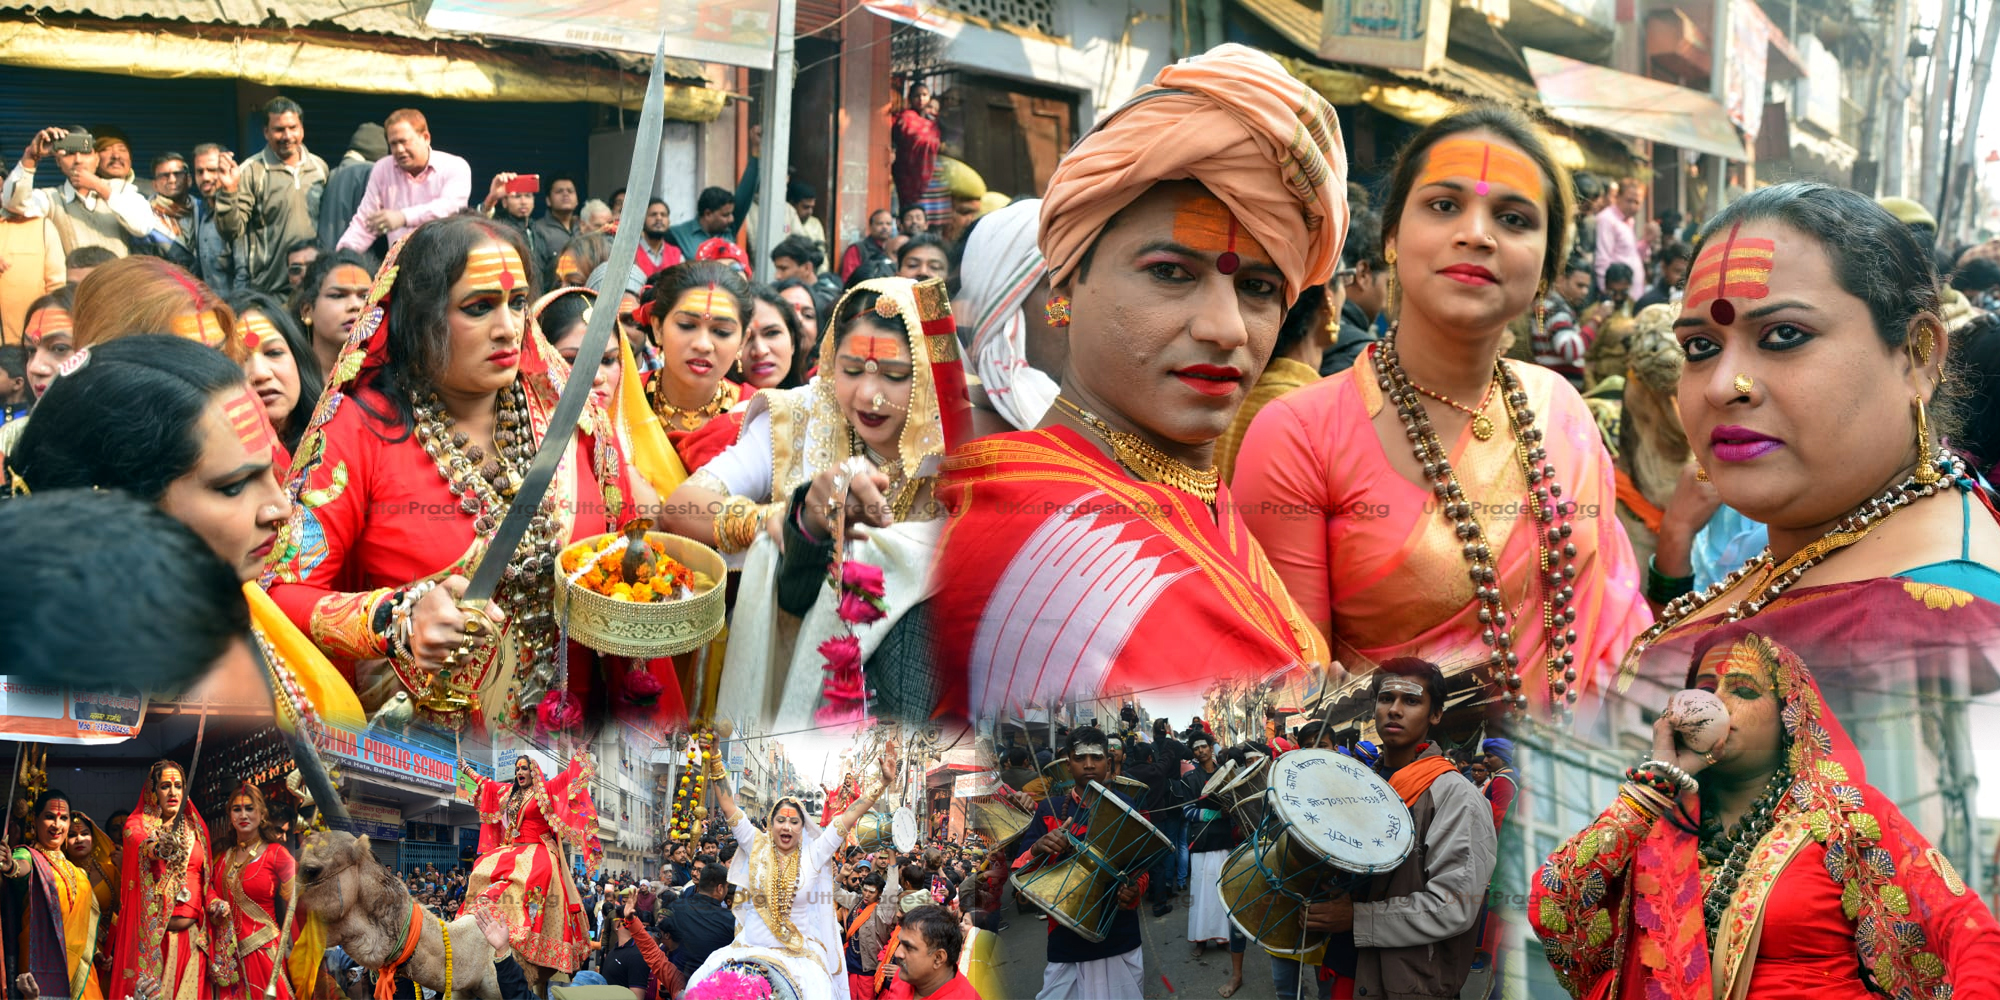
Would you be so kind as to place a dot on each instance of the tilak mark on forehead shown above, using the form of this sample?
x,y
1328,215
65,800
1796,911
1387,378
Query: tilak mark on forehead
x,y
50,322
246,417
1202,222
708,303
873,349
1485,162
1736,268
1402,685
256,330
495,265
201,327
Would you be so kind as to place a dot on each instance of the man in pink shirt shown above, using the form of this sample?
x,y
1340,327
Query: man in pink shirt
x,y
411,186
1617,232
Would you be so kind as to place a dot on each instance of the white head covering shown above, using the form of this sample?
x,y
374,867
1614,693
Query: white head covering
x,y
1002,265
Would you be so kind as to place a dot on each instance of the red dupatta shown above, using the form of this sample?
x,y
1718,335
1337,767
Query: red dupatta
x,y
1915,925
564,802
147,894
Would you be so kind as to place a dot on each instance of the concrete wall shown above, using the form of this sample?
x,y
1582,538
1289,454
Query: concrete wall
x,y
1114,48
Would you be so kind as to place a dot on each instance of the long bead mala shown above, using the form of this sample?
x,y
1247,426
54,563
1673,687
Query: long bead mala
x,y
1728,851
1555,563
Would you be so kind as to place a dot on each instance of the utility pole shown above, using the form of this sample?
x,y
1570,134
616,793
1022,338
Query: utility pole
x,y
777,117
1896,94
1718,87
1966,163
1941,84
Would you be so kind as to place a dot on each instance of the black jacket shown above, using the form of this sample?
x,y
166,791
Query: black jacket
x,y
623,966
1357,331
1209,834
701,924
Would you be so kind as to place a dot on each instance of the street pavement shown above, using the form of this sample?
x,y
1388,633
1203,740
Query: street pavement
x,y
1168,959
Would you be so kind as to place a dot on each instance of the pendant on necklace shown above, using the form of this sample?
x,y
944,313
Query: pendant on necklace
x,y
1482,428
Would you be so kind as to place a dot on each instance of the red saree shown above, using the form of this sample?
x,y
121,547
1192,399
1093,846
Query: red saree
x,y
1843,898
522,873
250,934
1069,578
153,891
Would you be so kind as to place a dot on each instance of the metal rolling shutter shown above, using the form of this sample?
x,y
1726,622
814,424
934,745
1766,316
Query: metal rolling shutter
x,y
157,115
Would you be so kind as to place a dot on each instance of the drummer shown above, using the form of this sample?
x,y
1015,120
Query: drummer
x,y
1079,969
1315,735
1413,932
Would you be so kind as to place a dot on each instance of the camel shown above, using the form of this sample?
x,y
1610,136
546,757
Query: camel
x,y
365,909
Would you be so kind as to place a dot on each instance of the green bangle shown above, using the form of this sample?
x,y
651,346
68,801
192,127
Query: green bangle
x,y
1661,588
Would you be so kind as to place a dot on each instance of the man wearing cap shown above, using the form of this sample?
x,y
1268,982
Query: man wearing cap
x,y
349,181
1414,931
272,200
88,210
1501,786
1080,969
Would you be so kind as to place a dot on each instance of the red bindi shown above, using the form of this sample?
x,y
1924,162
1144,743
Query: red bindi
x,y
1722,312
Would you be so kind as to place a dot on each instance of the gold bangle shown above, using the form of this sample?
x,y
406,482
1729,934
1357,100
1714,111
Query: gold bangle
x,y
737,523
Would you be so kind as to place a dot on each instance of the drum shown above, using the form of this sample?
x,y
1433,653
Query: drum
x,y
783,987
1224,774
997,819
1328,824
1243,794
903,829
875,831
1080,891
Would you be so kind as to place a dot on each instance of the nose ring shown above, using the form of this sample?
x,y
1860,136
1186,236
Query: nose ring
x,y
1743,385
875,405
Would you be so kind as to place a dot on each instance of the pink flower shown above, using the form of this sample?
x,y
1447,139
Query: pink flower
x,y
641,687
861,576
728,984
843,654
559,711
857,609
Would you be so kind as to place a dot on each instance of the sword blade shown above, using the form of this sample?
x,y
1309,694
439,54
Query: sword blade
x,y
576,391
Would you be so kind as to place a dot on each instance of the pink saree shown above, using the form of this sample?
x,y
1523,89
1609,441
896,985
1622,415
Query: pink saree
x,y
1374,563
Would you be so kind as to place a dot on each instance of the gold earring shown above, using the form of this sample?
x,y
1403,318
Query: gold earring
x,y
1700,474
1743,385
1927,473
1541,310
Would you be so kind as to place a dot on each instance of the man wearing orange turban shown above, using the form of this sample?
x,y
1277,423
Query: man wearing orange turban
x,y
1099,551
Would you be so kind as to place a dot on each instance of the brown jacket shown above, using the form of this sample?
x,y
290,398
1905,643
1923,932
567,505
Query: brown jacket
x,y
1416,928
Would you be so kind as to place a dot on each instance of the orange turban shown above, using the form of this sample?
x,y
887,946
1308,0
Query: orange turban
x,y
1262,142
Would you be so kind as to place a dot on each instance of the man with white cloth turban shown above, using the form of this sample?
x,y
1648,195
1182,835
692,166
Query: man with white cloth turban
x,y
1003,295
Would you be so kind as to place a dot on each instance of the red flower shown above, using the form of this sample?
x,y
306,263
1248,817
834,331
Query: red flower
x,y
843,654
857,609
861,576
641,687
559,711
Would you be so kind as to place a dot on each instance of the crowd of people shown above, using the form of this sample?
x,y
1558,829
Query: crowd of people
x,y
1204,406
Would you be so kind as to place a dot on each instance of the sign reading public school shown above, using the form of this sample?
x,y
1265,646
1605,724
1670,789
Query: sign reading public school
x,y
386,757
1392,34
733,32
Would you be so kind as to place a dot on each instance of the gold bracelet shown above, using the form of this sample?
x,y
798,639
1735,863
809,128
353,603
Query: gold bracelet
x,y
737,523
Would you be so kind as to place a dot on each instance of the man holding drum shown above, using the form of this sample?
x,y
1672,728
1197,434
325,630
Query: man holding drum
x,y
1413,931
1079,969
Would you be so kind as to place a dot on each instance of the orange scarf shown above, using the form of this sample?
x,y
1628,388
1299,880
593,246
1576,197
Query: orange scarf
x,y
385,979
1415,777
1636,502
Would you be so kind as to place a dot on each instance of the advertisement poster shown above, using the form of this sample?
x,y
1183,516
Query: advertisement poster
x,y
732,32
1749,48
61,715
1392,34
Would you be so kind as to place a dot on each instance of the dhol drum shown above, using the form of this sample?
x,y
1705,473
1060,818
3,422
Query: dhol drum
x,y
1243,794
875,831
1080,891
1225,773
1328,823
903,829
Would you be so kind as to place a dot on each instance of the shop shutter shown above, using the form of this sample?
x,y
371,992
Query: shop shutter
x,y
156,115
386,851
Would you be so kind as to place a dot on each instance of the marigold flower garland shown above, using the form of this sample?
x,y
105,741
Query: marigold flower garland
x,y
689,815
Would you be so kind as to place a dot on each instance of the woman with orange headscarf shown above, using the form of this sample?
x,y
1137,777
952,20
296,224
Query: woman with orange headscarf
x,y
1100,548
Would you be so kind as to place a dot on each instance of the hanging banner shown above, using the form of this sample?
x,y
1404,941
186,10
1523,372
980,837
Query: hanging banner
x,y
388,758
41,714
1391,34
1749,50
732,32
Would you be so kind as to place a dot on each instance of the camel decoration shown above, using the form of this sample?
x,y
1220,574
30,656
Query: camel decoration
x,y
366,911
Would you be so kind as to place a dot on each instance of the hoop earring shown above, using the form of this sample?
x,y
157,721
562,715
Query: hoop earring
x,y
1927,473
1057,309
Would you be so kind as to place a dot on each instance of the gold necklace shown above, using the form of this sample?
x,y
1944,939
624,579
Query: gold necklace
x,y
902,488
692,420
1482,426
1148,463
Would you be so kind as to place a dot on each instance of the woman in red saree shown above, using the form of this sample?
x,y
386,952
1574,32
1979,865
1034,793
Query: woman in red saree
x,y
254,887
162,937
434,412
698,313
1435,500
1099,550
1783,875
522,873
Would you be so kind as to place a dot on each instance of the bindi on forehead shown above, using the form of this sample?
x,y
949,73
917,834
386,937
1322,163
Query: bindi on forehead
x,y
1202,222
495,266
49,322
257,331
874,347
1485,164
245,413
201,327
1737,267
708,303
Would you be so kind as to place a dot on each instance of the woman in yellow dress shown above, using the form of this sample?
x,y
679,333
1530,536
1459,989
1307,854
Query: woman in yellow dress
x,y
57,910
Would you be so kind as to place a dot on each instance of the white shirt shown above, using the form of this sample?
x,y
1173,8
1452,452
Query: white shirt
x,y
21,197
812,906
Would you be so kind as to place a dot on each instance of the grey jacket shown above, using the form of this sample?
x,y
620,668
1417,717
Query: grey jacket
x,y
272,207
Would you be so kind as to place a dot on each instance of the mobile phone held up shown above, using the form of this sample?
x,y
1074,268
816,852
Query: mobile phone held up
x,y
525,184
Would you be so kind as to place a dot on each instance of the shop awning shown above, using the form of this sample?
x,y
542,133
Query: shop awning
x,y
1597,97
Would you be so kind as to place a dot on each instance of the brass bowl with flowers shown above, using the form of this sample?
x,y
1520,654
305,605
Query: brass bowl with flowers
x,y
646,595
